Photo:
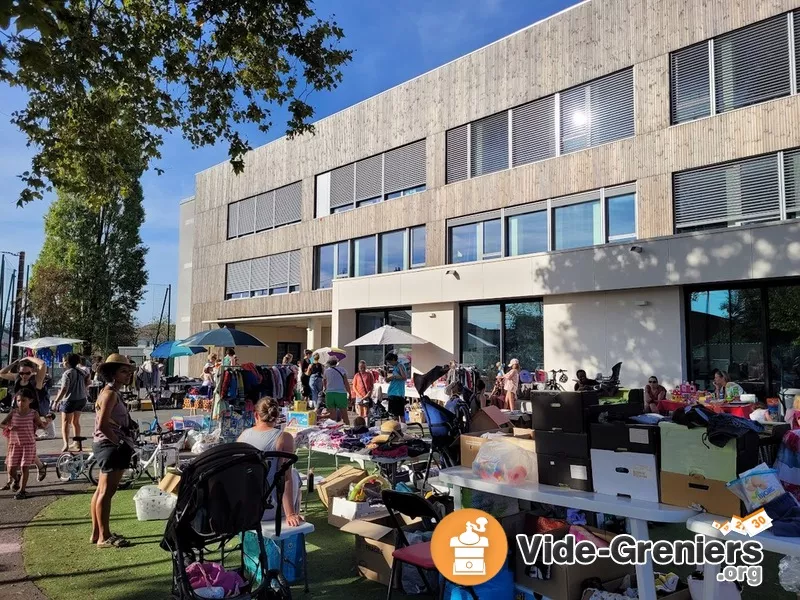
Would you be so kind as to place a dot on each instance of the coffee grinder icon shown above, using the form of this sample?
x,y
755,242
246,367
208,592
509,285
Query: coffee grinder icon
x,y
469,549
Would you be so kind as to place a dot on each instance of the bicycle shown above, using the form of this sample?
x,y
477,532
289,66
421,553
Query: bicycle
x,y
555,384
71,465
150,459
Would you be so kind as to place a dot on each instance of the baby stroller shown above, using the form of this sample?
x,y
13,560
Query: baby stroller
x,y
223,495
609,386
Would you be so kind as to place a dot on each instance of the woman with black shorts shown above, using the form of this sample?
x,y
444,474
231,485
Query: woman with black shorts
x,y
113,448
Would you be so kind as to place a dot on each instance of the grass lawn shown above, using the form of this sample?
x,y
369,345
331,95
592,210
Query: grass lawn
x,y
62,562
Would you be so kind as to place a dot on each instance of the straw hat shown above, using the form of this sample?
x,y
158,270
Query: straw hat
x,y
390,430
112,361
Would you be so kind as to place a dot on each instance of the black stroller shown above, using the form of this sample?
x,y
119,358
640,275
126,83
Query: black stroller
x,y
223,495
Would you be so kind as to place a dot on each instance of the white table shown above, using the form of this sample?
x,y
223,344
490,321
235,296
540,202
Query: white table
x,y
636,512
702,524
362,459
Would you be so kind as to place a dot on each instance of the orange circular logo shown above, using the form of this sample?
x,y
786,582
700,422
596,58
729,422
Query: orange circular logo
x,y
469,547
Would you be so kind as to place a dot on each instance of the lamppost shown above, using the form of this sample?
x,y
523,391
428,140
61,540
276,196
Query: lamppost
x,y
16,313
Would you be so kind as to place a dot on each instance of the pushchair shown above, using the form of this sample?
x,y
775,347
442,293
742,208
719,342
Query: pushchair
x,y
223,495
608,387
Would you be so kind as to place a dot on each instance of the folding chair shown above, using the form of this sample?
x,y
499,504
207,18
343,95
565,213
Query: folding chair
x,y
445,430
418,555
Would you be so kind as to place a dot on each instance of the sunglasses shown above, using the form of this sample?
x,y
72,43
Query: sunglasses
x,y
652,381
25,373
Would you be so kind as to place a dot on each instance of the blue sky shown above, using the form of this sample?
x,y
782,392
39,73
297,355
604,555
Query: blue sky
x,y
393,42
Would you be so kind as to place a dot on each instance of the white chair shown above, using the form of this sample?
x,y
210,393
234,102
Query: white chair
x,y
305,528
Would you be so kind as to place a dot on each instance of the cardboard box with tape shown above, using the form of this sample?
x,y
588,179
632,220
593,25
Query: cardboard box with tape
x,y
472,442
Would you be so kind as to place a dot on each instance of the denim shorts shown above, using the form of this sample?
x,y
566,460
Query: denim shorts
x,y
71,406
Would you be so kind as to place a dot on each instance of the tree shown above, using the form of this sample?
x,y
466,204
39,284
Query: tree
x,y
147,333
106,79
90,275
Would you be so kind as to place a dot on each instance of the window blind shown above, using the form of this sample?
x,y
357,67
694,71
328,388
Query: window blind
x,y
259,273
533,132
237,277
575,111
730,193
489,144
288,200
404,167
279,270
690,86
457,153
611,101
247,216
264,214
752,64
294,268
369,177
342,186
791,174
233,219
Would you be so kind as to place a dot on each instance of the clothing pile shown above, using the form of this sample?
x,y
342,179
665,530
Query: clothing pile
x,y
211,580
666,584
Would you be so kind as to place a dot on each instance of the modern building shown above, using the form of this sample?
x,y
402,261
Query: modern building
x,y
618,182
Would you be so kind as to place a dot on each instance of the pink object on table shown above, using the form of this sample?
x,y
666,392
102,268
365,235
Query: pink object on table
x,y
517,475
667,406
212,574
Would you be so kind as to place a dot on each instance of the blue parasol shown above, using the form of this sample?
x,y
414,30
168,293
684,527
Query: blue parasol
x,y
224,337
172,349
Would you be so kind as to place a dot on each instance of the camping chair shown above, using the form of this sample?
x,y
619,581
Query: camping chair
x,y
418,555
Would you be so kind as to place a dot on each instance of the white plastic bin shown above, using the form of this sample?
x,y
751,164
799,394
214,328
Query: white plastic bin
x,y
154,505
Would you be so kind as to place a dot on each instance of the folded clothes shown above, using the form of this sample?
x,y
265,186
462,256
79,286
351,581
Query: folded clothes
x,y
785,515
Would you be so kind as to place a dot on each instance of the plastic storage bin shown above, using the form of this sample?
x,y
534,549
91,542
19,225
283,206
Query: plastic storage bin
x,y
154,505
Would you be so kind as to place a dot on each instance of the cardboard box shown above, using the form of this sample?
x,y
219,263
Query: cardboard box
x,y
562,411
626,474
302,419
301,406
471,443
338,483
416,414
561,471
490,418
623,437
351,511
170,483
687,490
569,445
565,582
375,540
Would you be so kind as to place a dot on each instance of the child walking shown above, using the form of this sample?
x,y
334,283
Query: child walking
x,y
20,427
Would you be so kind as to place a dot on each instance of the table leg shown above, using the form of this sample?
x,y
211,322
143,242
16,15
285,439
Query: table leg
x,y
456,491
710,584
644,573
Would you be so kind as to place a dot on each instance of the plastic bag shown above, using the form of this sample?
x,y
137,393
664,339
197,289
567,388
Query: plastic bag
x,y
789,573
757,487
506,462
411,581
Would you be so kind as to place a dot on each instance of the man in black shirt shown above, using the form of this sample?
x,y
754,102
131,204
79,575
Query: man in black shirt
x,y
584,383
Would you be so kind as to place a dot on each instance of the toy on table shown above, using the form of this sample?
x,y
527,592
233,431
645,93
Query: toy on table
x,y
501,461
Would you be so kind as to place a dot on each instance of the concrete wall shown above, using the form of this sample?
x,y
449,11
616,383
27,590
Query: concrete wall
x,y
595,331
438,324
184,302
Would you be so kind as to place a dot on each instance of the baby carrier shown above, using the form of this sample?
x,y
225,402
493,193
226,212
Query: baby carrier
x,y
223,495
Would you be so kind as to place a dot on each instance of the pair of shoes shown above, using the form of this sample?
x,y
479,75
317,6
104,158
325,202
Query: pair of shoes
x,y
115,541
21,495
42,473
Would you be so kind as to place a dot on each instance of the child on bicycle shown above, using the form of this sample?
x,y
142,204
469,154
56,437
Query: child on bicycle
x,y
20,428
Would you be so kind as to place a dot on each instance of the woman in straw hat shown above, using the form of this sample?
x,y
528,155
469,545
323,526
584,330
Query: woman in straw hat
x,y
113,447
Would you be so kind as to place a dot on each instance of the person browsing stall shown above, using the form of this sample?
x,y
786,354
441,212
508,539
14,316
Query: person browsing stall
x,y
511,384
267,437
584,383
337,391
315,374
654,393
72,397
230,359
363,383
396,376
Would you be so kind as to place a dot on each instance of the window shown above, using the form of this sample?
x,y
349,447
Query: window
x,y
398,172
457,151
791,170
464,243
727,195
492,239
418,240
476,239
292,348
367,321
384,253
621,217
534,134
365,256
527,233
489,144
263,276
496,333
736,69
269,210
577,225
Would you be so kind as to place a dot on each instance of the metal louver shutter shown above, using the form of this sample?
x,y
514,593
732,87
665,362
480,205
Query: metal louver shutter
x,y
727,194
259,273
369,178
287,204
574,118
237,278
611,101
690,84
752,64
294,268
405,167
489,144
533,127
247,216
279,270
264,214
791,173
796,17
456,149
233,219
342,186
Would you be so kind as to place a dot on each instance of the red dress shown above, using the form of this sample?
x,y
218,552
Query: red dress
x,y
22,440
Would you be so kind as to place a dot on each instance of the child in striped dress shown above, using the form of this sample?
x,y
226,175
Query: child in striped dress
x,y
20,428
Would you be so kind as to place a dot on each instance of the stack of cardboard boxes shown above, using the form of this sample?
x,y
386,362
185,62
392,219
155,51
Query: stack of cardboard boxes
x,y
625,460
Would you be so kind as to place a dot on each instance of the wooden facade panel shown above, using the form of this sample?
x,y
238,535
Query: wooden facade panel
x,y
654,210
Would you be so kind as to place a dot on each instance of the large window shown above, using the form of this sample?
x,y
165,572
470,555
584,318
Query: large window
x,y
736,69
266,211
398,172
367,321
752,333
264,276
384,253
738,193
496,333
587,219
594,113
